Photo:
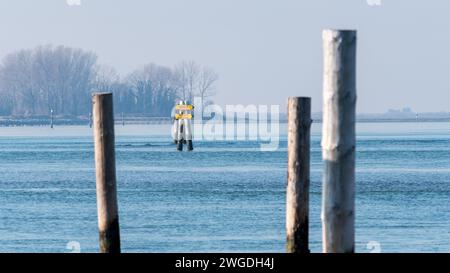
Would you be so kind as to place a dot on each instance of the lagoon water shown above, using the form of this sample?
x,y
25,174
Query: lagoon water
x,y
226,196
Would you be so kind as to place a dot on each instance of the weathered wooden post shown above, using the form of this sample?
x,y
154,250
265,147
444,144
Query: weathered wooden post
x,y
297,203
90,120
338,141
51,118
107,209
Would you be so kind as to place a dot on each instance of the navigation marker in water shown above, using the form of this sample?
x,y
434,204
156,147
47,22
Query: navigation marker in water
x,y
182,129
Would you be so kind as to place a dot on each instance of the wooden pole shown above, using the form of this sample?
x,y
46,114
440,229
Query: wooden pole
x,y
338,141
297,204
51,118
107,209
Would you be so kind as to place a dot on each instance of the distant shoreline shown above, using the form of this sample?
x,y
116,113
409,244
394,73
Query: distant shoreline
x,y
58,121
42,121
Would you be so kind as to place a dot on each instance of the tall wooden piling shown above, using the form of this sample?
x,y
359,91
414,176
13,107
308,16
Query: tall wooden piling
x,y
297,201
51,118
338,141
107,209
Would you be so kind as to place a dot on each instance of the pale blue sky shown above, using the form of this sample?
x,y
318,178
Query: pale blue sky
x,y
263,50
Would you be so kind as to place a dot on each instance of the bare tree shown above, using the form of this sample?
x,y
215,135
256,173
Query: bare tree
x,y
48,78
105,78
17,82
35,81
187,74
206,84
64,76
154,89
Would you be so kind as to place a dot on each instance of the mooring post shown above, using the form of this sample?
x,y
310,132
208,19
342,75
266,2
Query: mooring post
x,y
90,120
338,141
51,118
107,209
123,119
297,201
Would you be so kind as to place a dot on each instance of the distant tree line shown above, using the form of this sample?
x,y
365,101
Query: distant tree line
x,y
35,81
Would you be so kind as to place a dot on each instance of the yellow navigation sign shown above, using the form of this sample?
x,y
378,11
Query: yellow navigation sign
x,y
183,116
184,107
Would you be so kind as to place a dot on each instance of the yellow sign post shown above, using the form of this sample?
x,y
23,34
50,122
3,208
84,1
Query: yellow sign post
x,y
183,116
182,125
184,107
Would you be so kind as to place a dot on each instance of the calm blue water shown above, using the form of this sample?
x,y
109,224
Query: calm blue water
x,y
223,197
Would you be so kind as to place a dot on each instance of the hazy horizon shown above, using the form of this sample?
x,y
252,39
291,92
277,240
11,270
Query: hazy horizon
x,y
263,51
